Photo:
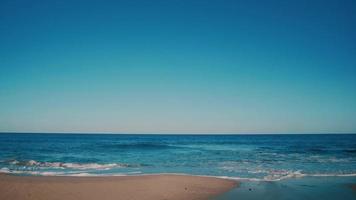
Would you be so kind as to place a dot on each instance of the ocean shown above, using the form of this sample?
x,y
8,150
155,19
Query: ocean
x,y
253,157
249,158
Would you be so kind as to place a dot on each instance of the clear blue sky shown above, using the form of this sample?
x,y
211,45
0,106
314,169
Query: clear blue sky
x,y
178,66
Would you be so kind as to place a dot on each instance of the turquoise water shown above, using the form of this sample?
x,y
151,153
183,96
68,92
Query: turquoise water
x,y
268,166
306,188
242,157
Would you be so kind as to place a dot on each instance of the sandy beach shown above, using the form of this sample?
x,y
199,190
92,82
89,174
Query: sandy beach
x,y
149,187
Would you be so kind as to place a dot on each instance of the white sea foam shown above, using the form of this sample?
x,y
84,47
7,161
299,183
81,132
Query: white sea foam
x,y
46,173
281,175
60,165
92,166
82,170
83,174
331,175
4,170
326,159
67,173
14,162
277,176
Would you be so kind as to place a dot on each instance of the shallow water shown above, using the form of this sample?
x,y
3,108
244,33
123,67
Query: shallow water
x,y
241,157
307,188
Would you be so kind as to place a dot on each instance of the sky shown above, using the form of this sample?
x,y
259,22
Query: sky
x,y
178,66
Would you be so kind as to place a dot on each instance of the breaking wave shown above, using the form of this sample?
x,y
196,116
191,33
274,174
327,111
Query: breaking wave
x,y
67,173
60,165
273,176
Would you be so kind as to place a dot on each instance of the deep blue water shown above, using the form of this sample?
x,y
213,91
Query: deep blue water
x,y
249,157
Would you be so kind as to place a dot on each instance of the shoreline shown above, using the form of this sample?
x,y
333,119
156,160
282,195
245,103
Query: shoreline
x,y
150,187
291,175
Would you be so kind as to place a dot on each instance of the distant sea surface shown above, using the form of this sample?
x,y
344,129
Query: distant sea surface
x,y
240,157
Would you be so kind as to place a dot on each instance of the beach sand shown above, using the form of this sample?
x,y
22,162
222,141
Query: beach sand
x,y
150,187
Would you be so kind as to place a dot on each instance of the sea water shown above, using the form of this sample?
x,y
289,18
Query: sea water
x,y
252,159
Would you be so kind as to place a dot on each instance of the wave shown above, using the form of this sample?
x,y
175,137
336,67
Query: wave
x,y
67,173
281,175
299,174
276,176
10,171
296,174
61,165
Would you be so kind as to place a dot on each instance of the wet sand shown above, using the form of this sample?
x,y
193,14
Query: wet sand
x,y
150,187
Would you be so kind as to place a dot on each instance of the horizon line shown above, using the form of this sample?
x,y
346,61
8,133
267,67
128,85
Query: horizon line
x,y
180,133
